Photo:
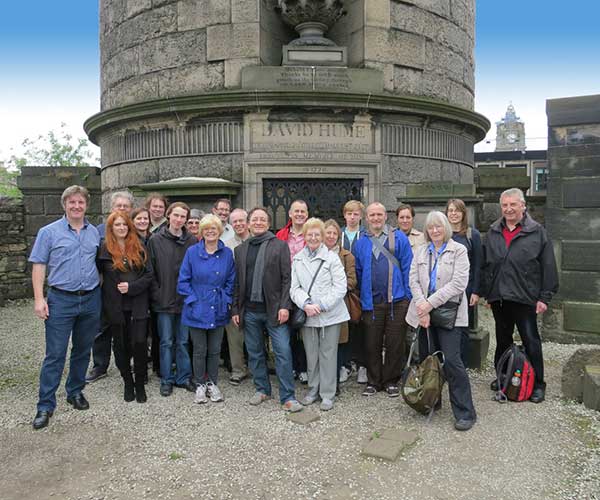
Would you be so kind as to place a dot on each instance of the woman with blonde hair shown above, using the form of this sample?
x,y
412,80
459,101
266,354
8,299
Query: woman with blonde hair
x,y
127,276
318,287
206,279
438,277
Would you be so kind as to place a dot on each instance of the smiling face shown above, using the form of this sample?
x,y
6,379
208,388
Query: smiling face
x,y
193,226
454,214
331,237
210,233
512,209
177,218
120,228
122,205
222,211
376,217
142,221
298,213
157,209
313,238
405,221
259,222
239,221
436,234
75,207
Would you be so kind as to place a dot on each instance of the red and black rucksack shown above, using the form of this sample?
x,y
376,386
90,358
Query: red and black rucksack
x,y
514,375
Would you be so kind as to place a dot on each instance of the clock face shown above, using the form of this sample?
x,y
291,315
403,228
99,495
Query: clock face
x,y
512,137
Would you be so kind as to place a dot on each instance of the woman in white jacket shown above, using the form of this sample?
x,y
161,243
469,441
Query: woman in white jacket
x,y
325,310
439,274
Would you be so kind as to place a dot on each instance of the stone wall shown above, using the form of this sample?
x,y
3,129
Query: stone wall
x,y
573,216
15,281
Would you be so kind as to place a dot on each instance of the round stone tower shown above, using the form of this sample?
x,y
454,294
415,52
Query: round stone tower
x,y
264,101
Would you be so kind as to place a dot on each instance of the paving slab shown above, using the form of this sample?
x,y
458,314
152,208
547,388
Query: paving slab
x,y
389,444
304,417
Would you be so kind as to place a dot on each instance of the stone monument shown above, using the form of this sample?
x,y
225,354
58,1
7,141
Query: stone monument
x,y
374,100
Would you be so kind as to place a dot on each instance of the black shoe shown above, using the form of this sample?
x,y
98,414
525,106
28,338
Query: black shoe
x,y
42,419
393,391
463,424
140,392
494,385
129,391
78,401
538,395
166,389
236,379
370,390
188,386
95,374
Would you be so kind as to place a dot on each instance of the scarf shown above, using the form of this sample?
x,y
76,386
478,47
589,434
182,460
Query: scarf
x,y
259,267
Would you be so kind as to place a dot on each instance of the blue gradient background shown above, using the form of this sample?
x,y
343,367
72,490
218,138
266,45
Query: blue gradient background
x,y
526,52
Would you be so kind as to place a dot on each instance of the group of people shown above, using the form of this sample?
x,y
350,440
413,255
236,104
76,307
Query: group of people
x,y
187,279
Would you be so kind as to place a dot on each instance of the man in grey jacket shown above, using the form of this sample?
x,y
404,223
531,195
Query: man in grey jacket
x,y
520,278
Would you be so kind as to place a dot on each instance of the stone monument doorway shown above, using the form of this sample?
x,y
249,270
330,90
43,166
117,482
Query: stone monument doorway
x,y
325,197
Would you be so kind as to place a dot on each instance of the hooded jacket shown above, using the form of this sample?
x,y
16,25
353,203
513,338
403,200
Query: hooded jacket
x,y
525,272
166,255
206,282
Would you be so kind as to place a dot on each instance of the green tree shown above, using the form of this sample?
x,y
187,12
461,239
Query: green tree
x,y
55,149
8,183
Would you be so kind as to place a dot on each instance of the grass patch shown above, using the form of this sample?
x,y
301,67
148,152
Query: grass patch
x,y
175,456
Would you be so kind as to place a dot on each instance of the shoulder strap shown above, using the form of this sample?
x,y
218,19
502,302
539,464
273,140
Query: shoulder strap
x,y
384,250
315,277
469,233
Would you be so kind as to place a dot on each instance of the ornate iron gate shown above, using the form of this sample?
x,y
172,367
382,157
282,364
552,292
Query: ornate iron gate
x,y
325,197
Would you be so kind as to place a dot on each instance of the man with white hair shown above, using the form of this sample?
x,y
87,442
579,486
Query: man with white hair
x,y
520,278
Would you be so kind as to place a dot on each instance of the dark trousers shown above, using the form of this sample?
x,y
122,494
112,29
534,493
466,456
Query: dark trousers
x,y
101,348
129,341
385,343
356,343
508,314
154,343
459,387
206,350
298,352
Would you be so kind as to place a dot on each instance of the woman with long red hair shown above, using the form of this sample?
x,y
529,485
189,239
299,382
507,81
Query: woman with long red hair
x,y
127,275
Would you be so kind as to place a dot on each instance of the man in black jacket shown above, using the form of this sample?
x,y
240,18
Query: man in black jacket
x,y
166,249
261,301
520,278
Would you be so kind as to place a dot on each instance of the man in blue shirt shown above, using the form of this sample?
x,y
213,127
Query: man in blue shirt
x,y
383,258
67,250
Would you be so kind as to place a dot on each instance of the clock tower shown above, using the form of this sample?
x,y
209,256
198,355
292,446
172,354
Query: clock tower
x,y
510,132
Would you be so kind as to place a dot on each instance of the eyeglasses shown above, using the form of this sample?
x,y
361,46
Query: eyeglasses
x,y
453,211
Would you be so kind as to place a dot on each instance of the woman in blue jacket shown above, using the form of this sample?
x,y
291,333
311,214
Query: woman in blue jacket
x,y
206,282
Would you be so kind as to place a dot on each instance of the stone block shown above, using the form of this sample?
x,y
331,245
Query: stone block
x,y
477,350
407,80
139,173
463,15
147,25
581,194
134,7
591,387
232,41
34,204
377,13
244,11
582,317
574,167
573,371
304,417
389,444
579,286
356,48
110,178
53,205
233,70
412,170
200,166
438,7
173,50
190,80
580,255
137,89
394,46
194,14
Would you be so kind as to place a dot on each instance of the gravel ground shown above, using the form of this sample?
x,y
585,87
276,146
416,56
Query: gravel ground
x,y
171,448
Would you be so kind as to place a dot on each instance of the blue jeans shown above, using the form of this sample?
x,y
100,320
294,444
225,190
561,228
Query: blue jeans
x,y
70,317
173,333
254,324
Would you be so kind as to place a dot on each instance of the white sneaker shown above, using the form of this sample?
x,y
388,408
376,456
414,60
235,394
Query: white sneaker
x,y
326,405
303,377
362,375
309,399
214,392
201,395
344,374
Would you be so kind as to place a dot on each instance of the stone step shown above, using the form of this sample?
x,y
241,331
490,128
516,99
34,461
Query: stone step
x,y
591,387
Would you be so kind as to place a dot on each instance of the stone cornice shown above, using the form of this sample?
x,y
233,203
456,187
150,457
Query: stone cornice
x,y
475,124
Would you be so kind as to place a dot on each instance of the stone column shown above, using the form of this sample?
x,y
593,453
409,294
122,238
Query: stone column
x,y
573,217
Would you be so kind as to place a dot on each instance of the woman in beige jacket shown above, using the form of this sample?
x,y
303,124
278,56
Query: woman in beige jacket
x,y
439,274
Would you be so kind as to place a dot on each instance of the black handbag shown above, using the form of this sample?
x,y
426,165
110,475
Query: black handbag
x,y
298,316
444,316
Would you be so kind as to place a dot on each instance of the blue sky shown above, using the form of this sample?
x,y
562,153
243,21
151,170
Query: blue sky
x,y
526,52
